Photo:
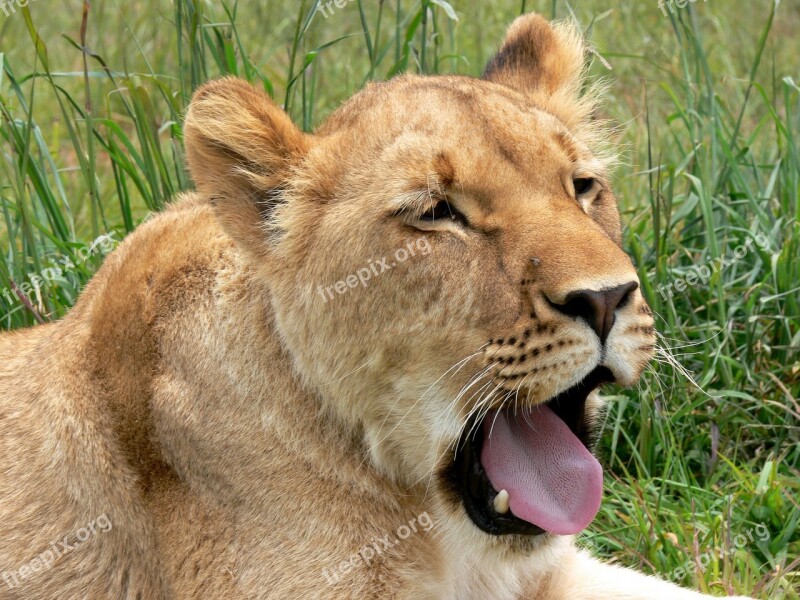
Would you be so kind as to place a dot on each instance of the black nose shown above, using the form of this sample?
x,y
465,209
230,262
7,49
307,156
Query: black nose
x,y
597,307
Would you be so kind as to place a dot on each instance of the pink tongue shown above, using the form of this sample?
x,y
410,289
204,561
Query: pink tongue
x,y
552,480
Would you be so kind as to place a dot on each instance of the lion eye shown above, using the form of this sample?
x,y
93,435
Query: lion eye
x,y
440,211
583,185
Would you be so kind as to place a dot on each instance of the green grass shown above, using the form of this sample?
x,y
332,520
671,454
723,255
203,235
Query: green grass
x,y
707,103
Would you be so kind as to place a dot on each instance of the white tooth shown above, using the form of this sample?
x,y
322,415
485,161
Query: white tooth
x,y
501,502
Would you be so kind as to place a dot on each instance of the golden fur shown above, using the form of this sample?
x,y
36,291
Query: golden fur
x,y
244,431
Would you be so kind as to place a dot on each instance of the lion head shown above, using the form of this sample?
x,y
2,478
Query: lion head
x,y
444,262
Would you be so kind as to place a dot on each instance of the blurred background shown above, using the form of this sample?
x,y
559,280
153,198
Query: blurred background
x,y
705,103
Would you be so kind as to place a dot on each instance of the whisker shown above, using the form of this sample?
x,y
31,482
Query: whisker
x,y
389,412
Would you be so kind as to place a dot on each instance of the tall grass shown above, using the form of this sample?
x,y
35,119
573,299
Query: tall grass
x,y
709,445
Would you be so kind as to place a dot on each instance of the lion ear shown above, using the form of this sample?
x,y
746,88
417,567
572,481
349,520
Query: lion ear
x,y
546,61
241,149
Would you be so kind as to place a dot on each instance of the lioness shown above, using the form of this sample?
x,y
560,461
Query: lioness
x,y
355,364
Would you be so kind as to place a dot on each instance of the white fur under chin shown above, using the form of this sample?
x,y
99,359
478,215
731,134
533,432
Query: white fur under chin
x,y
479,566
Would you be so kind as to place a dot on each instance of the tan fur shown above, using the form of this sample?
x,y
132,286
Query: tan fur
x,y
241,433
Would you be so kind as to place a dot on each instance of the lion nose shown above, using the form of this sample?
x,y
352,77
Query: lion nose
x,y
597,307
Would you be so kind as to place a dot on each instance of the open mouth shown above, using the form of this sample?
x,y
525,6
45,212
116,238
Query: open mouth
x,y
529,470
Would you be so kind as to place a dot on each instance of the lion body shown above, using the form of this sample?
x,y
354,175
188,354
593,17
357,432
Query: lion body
x,y
215,418
121,409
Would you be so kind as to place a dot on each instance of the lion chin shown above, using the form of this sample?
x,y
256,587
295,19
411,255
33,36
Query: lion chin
x,y
358,363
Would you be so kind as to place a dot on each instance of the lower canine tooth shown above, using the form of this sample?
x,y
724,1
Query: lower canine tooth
x,y
501,502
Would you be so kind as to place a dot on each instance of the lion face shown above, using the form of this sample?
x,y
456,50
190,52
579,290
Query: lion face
x,y
445,269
